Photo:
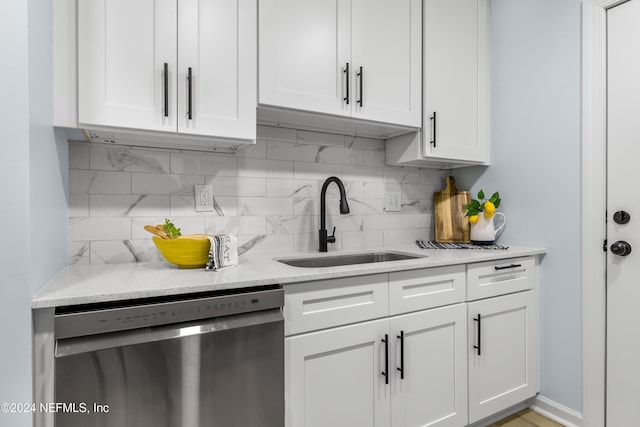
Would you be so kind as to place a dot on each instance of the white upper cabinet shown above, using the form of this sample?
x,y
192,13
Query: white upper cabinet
x,y
455,79
455,124
217,41
386,59
304,48
349,58
122,49
185,66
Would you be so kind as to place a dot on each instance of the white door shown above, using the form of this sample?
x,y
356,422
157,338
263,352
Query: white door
x,y
386,67
456,79
334,377
502,353
123,47
217,41
304,53
623,146
429,379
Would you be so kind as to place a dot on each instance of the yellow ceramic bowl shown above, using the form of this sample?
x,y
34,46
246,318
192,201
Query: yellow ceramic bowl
x,y
189,251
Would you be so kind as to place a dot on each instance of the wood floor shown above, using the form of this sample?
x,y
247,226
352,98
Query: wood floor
x,y
526,418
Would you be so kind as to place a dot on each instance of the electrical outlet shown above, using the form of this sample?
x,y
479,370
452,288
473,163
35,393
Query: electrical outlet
x,y
393,201
204,198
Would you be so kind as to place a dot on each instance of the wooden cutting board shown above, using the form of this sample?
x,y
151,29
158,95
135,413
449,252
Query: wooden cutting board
x,y
450,222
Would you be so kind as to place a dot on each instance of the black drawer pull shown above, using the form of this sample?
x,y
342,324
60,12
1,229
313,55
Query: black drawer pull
x,y
189,90
433,125
359,75
401,368
347,77
166,89
504,267
385,373
479,320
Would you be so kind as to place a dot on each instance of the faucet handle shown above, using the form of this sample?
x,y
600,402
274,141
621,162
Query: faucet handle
x,y
332,238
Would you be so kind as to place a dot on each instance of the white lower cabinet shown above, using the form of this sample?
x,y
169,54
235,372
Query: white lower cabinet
x,y
408,370
334,377
428,384
408,349
503,353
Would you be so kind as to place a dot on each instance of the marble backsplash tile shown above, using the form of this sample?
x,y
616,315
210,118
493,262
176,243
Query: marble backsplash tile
x,y
268,195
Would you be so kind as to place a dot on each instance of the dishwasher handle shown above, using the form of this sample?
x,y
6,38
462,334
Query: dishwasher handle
x,y
90,343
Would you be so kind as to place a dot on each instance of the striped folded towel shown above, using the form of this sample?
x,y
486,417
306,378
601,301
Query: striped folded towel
x,y
440,245
223,252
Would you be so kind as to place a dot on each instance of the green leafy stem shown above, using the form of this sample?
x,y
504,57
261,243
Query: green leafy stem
x,y
171,229
477,205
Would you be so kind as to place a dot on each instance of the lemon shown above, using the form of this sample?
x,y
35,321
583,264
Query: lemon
x,y
488,214
473,219
489,208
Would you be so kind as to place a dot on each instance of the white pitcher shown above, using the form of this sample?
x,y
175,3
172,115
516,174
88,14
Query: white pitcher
x,y
484,232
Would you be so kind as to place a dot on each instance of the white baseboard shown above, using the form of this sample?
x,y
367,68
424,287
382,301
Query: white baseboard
x,y
557,412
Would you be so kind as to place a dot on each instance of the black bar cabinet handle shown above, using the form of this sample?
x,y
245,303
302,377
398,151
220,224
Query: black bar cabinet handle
x,y
359,101
478,319
385,373
166,89
346,73
433,121
504,267
189,80
401,368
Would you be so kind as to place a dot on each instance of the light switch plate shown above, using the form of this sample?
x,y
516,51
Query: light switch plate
x,y
392,201
204,198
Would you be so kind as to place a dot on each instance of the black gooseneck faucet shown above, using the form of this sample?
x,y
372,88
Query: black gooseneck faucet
x,y
344,209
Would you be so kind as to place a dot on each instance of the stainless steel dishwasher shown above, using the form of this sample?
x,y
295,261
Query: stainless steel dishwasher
x,y
208,359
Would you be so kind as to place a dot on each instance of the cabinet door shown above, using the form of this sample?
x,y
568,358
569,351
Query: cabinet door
x,y
433,391
503,370
386,43
217,41
304,50
122,49
333,378
456,79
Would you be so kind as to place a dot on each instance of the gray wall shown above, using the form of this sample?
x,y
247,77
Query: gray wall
x,y
48,155
535,164
15,365
33,173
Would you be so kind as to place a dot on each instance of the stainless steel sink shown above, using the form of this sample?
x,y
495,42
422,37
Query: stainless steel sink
x,y
348,259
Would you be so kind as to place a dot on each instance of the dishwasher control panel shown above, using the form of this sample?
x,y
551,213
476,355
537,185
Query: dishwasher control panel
x,y
104,319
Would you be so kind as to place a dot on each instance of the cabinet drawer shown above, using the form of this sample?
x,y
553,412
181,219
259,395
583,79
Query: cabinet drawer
x,y
314,305
489,279
425,288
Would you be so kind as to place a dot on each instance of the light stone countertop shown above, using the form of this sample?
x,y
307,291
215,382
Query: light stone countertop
x,y
114,282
